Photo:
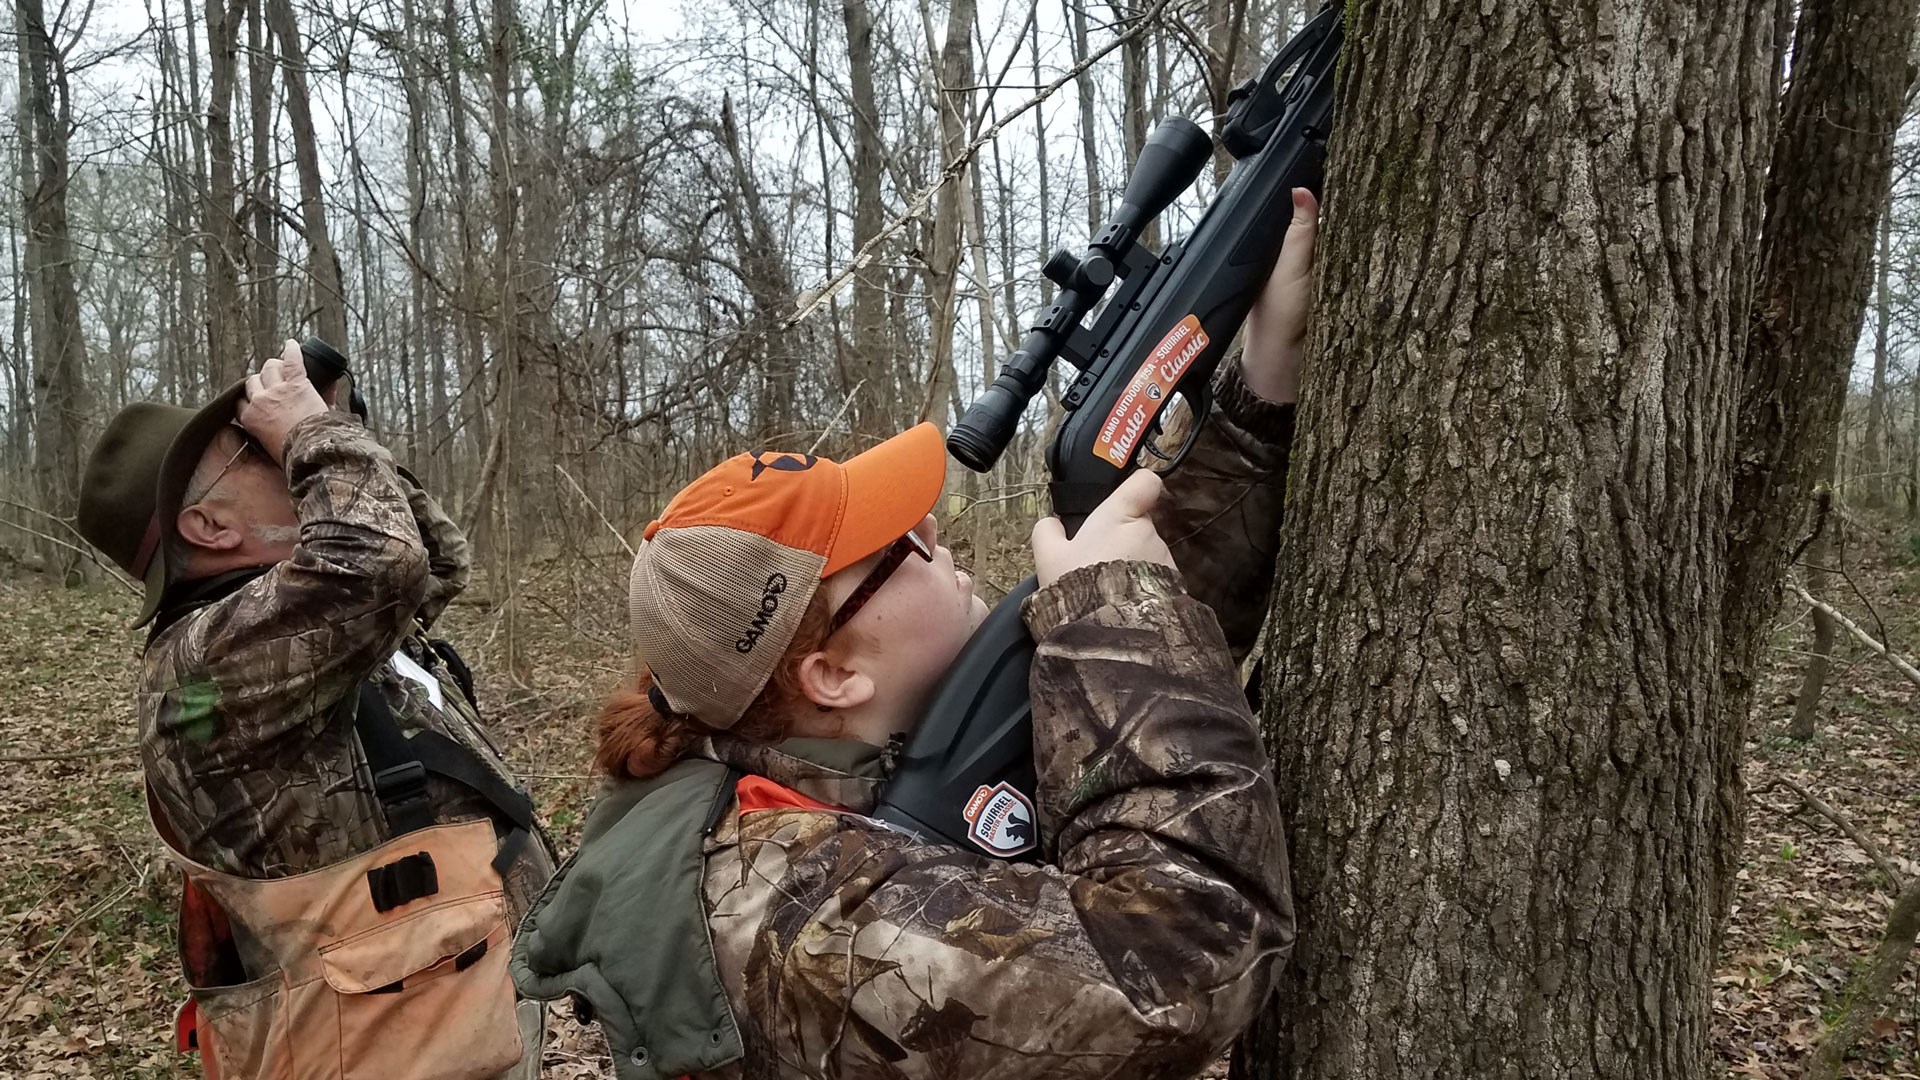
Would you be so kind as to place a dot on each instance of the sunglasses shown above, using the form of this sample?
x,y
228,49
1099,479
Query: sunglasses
x,y
890,559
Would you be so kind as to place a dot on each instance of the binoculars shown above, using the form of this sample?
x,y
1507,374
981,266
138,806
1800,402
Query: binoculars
x,y
325,366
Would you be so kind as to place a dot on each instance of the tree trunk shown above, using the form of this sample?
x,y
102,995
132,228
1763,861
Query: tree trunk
x,y
263,250
60,397
323,265
1519,599
1867,991
1874,456
1830,176
1226,27
1813,682
230,353
1494,703
871,371
951,205
1089,143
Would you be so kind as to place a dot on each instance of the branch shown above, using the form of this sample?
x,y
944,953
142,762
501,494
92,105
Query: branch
x,y
33,976
69,755
617,535
917,205
1894,878
1908,670
112,571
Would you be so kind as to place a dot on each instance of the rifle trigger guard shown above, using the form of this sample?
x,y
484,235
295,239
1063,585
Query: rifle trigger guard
x,y
1199,399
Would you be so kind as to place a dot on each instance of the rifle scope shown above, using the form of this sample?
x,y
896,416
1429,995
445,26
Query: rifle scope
x,y
1172,158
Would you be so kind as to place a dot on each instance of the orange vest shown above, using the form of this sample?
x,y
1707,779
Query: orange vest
x,y
418,991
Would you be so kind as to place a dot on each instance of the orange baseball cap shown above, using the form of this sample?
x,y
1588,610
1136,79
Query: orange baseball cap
x,y
725,573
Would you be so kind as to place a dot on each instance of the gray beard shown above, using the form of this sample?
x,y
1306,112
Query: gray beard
x,y
276,534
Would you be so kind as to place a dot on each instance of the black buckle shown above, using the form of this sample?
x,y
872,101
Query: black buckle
x,y
402,791
402,881
400,782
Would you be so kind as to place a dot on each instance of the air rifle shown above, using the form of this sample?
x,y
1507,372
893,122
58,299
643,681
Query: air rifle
x,y
965,775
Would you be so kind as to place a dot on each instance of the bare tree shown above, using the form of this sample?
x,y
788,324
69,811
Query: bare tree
x,y
59,398
323,266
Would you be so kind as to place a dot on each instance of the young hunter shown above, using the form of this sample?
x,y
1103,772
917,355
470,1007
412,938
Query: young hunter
x,y
355,852
733,913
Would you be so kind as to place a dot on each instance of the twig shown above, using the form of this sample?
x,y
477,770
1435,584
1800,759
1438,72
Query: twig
x,y
831,424
917,205
71,755
111,570
1908,670
1894,879
1019,492
1822,502
32,976
617,535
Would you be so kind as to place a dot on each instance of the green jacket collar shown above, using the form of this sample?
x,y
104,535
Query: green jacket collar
x,y
838,772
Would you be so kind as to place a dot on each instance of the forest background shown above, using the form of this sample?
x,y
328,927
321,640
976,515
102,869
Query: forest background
x,y
578,251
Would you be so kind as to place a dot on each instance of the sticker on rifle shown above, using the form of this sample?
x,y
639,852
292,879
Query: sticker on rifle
x,y
1000,819
1147,392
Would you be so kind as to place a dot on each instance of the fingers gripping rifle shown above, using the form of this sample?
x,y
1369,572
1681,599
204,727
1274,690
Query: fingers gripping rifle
x,y
965,775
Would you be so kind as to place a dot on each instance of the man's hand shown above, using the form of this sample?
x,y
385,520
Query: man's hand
x,y
278,397
1277,324
1121,527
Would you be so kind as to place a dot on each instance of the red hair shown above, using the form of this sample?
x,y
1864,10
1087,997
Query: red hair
x,y
635,741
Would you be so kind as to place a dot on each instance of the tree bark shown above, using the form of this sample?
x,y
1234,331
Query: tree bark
x,y
769,286
1089,144
1494,703
1540,513
1874,456
323,264
954,72
60,397
1813,682
229,350
263,249
1831,171
1868,989
870,375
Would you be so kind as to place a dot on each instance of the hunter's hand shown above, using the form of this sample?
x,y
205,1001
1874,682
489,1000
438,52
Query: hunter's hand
x,y
1277,324
1121,528
278,397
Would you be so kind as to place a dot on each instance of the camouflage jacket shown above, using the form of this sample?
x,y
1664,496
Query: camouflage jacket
x,y
1140,949
253,764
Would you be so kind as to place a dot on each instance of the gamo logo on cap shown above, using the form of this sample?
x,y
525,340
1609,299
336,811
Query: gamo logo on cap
x,y
782,463
769,603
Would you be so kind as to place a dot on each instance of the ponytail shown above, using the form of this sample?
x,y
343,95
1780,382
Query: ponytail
x,y
638,738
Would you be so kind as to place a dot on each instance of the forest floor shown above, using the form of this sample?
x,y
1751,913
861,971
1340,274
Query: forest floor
x,y
89,982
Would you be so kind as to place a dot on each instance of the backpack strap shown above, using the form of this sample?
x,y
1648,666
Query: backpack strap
x,y
401,764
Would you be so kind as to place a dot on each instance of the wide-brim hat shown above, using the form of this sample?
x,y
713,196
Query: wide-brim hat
x,y
723,576
136,477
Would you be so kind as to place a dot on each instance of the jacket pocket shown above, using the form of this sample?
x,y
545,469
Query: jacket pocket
x,y
426,996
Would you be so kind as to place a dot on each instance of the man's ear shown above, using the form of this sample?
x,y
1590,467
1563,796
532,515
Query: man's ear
x,y
831,684
206,527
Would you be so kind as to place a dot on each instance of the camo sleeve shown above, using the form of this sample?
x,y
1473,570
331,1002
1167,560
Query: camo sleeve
x,y
242,682
449,552
854,951
1221,511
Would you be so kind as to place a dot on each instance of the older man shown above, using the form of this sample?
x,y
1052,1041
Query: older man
x,y
354,848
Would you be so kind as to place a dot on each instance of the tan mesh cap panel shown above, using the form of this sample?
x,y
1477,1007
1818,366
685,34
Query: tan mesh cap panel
x,y
714,609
